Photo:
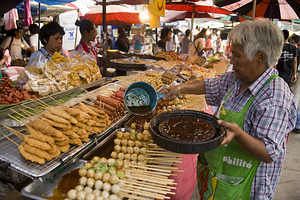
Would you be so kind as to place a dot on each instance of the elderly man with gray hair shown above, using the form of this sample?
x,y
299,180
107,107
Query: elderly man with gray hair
x,y
258,110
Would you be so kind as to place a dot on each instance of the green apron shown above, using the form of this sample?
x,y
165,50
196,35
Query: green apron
x,y
228,171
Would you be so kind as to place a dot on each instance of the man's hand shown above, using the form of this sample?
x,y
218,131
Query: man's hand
x,y
233,130
170,92
294,78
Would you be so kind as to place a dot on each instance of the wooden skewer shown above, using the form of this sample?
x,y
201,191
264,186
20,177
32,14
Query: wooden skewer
x,y
35,109
27,113
163,159
162,163
165,167
147,194
18,113
149,185
43,106
10,139
153,168
158,191
153,180
150,172
17,133
163,175
18,120
87,102
133,196
55,100
43,103
13,130
164,179
169,153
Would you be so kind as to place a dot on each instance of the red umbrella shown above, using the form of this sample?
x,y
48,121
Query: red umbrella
x,y
273,9
115,15
172,16
196,8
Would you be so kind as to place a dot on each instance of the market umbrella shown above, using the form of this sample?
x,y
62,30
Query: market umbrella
x,y
115,15
172,16
273,9
196,8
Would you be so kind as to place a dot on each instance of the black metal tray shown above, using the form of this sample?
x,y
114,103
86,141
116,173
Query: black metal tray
x,y
129,66
186,147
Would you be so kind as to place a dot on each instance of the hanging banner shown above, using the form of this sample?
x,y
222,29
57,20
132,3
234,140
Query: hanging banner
x,y
154,22
157,7
71,38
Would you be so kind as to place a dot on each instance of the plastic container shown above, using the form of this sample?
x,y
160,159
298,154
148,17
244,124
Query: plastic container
x,y
140,94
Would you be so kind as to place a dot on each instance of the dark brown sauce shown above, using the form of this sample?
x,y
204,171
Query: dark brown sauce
x,y
185,128
140,110
69,181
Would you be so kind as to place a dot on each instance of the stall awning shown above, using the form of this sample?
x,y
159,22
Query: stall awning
x,y
54,2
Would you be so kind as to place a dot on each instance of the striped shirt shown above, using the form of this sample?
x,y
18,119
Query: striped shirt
x,y
271,116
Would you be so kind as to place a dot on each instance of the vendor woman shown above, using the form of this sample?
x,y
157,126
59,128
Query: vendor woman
x,y
258,110
88,34
51,36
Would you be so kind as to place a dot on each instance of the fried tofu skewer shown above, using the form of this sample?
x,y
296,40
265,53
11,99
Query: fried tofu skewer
x,y
45,128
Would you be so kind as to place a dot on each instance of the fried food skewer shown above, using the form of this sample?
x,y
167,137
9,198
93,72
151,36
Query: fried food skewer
x,y
40,136
55,118
31,157
36,151
45,128
56,124
35,109
37,143
19,114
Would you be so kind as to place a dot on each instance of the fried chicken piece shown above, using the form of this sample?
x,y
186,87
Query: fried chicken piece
x,y
97,129
89,128
40,136
64,148
55,118
96,110
91,122
62,143
54,151
36,143
108,123
76,112
73,120
86,109
85,139
75,128
36,151
75,141
59,112
31,157
55,124
102,124
81,132
45,128
70,134
59,139
84,136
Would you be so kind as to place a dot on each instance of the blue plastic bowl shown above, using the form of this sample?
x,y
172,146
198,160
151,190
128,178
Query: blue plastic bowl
x,y
148,88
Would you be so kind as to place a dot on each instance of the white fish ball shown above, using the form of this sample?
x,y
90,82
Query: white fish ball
x,y
115,189
98,185
81,195
106,187
90,182
90,196
105,194
83,180
79,188
113,197
97,192
90,173
88,190
72,194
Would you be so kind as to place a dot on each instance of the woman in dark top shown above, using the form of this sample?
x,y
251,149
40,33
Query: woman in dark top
x,y
122,42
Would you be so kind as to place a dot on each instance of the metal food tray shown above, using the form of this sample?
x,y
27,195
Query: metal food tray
x,y
9,153
6,111
43,187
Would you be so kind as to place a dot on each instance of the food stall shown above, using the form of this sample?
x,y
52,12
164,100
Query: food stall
x,y
92,130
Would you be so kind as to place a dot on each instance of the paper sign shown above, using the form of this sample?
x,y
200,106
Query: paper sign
x,y
157,7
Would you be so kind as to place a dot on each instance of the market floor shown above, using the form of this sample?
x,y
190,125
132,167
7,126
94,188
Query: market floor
x,y
288,187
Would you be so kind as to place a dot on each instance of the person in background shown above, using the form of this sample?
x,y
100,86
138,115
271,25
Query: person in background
x,y
258,110
122,42
287,63
34,38
208,44
197,48
138,42
171,45
185,43
166,34
14,44
109,44
218,44
51,37
214,38
294,40
88,35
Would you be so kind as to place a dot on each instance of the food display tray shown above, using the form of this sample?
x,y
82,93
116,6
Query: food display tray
x,y
129,66
6,111
43,187
10,154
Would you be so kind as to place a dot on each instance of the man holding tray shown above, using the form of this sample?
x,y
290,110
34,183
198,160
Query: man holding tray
x,y
258,110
